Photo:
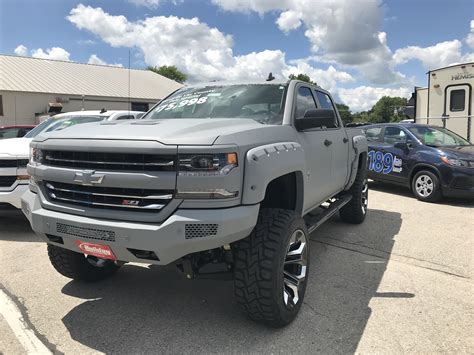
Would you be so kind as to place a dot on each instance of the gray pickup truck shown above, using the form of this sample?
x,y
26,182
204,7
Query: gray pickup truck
x,y
219,178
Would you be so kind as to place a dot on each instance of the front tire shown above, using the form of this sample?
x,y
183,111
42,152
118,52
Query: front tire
x,y
425,186
77,266
271,268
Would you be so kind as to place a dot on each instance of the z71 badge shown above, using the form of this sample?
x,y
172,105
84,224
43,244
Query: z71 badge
x,y
384,162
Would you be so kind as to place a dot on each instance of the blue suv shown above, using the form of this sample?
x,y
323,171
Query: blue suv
x,y
431,160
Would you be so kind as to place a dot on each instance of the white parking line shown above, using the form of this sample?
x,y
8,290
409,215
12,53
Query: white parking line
x,y
14,318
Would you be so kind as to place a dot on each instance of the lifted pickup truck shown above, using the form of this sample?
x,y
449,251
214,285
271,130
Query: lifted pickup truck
x,y
219,178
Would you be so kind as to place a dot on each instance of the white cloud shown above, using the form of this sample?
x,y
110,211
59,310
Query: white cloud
x,y
363,98
94,59
203,52
259,6
152,4
440,55
470,36
345,32
56,53
21,50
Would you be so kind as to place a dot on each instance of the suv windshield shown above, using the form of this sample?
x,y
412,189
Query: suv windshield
x,y
437,137
53,124
261,102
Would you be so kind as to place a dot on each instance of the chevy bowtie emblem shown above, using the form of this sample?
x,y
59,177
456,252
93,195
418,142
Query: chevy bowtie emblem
x,y
88,178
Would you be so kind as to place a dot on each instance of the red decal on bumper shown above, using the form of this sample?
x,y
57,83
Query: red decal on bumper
x,y
98,250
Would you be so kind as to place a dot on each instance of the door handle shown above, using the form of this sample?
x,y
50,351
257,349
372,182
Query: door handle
x,y
327,142
345,140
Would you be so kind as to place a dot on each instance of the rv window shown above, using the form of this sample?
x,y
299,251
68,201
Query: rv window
x,y
457,100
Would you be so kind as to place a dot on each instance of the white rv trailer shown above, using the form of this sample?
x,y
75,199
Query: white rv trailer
x,y
448,99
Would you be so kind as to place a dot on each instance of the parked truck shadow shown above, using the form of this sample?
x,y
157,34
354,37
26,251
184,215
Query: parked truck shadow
x,y
155,310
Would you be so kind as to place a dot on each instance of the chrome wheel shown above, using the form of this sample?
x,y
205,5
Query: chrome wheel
x,y
294,268
365,196
424,185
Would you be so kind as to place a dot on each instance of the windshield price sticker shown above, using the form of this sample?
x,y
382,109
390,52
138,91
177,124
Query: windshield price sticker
x,y
187,99
384,163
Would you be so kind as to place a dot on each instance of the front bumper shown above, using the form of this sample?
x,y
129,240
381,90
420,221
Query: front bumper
x,y
184,232
13,197
459,183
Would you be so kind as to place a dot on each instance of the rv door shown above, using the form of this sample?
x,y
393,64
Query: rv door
x,y
457,109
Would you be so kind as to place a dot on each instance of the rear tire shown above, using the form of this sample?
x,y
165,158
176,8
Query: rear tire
x,y
355,211
77,266
271,268
425,186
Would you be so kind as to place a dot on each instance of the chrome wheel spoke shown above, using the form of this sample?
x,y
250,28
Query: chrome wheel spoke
x,y
294,267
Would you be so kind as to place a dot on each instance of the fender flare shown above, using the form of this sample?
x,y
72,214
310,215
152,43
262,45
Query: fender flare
x,y
360,146
265,163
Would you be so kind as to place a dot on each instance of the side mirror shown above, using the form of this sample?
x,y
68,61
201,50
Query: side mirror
x,y
401,145
316,118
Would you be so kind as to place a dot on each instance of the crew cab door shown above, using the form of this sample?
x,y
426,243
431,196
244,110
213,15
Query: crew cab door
x,y
318,155
338,141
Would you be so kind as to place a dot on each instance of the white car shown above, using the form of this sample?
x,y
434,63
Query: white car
x,y
114,115
14,152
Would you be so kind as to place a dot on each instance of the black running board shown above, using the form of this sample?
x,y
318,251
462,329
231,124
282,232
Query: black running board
x,y
314,221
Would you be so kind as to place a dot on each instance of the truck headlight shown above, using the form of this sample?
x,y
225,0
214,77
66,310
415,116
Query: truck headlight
x,y
207,164
36,156
457,162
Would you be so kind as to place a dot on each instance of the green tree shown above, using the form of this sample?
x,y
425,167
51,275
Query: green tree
x,y
171,72
387,109
345,112
302,77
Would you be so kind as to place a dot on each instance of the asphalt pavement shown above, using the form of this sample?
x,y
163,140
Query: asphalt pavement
x,y
399,283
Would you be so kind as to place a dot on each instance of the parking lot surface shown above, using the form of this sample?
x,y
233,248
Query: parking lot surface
x,y
399,283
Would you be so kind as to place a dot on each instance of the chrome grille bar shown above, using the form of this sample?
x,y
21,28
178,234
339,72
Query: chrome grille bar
x,y
153,206
143,200
151,197
74,161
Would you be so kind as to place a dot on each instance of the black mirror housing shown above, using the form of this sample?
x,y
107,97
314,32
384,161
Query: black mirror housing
x,y
316,118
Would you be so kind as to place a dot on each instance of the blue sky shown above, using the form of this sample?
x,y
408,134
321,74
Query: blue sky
x,y
358,49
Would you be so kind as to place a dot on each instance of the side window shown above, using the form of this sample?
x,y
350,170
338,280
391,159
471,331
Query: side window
x,y
394,135
373,134
457,100
126,117
326,102
304,101
9,133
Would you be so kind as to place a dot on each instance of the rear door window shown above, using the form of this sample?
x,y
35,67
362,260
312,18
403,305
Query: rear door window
x,y
373,134
394,135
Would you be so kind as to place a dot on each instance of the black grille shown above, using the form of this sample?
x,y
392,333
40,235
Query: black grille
x,y
13,163
136,200
7,181
109,161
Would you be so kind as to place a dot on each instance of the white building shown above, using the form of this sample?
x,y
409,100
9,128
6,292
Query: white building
x,y
32,87
448,100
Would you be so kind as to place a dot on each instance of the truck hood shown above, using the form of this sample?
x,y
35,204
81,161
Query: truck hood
x,y
15,148
462,151
166,131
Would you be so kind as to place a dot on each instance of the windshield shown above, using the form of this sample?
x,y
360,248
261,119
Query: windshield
x,y
437,137
53,124
262,102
